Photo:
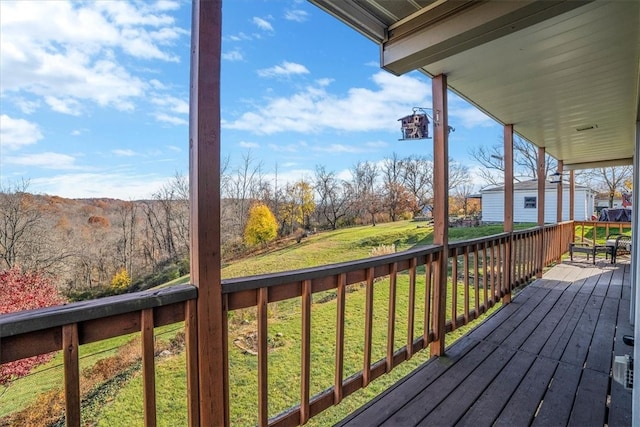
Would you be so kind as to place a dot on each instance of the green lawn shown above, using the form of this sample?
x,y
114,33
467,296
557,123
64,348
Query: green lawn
x,y
284,327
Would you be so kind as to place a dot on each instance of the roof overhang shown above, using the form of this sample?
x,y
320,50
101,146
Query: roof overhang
x,y
566,73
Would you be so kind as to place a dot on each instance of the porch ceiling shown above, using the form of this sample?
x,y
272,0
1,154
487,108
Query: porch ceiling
x,y
566,74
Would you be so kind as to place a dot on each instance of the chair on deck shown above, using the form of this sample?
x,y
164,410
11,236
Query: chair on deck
x,y
590,250
620,244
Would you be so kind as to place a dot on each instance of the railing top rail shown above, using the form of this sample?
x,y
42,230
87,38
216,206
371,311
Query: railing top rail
x,y
273,279
477,240
32,320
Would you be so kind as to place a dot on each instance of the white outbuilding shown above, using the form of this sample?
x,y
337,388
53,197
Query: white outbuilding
x,y
525,202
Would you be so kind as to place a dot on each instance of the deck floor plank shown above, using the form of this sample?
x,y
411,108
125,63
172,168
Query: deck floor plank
x,y
589,407
540,336
423,403
558,400
543,360
470,389
576,350
521,406
488,406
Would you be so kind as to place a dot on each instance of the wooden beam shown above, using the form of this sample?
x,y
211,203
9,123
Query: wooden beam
x,y
440,208
447,28
204,169
508,209
542,182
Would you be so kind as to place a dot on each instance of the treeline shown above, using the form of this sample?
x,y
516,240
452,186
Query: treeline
x,y
84,244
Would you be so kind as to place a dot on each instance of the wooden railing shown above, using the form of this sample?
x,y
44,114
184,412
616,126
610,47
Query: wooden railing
x,y
35,332
599,230
480,274
477,280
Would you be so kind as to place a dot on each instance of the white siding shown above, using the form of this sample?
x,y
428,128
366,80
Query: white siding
x,y
493,206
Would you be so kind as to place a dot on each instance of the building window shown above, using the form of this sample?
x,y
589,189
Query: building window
x,y
529,202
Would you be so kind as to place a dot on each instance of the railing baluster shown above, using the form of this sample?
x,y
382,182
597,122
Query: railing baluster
x,y
466,283
263,359
411,308
391,318
454,287
427,300
368,328
191,344
501,266
492,264
485,278
340,305
71,374
306,351
148,367
476,279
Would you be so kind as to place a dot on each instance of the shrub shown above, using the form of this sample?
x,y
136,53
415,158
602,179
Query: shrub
x,y
121,280
24,291
262,226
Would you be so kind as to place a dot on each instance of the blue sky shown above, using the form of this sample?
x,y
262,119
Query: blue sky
x,y
95,95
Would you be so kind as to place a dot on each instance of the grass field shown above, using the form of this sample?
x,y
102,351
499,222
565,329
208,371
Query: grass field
x,y
284,332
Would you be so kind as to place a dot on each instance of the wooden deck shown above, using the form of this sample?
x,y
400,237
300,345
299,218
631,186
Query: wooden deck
x,y
543,360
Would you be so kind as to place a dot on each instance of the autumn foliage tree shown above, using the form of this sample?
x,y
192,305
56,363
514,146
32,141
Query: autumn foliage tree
x,y
24,291
121,280
262,226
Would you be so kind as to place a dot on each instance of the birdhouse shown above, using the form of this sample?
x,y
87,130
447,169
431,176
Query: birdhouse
x,y
415,126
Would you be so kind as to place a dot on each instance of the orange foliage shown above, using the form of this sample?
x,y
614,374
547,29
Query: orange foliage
x,y
99,221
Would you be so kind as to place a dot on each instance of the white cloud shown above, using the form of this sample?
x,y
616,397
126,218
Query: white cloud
x,y
87,51
174,104
165,118
65,106
46,160
123,185
289,148
285,69
245,144
262,24
27,106
297,15
15,133
232,55
124,153
315,108
469,117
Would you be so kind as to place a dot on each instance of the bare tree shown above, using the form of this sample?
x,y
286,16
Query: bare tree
x,y
127,224
26,237
244,188
610,180
332,204
525,159
367,196
418,179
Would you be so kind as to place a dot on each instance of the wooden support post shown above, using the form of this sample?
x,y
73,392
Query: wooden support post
x,y
572,203
542,183
507,267
560,192
572,195
204,170
559,201
440,208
